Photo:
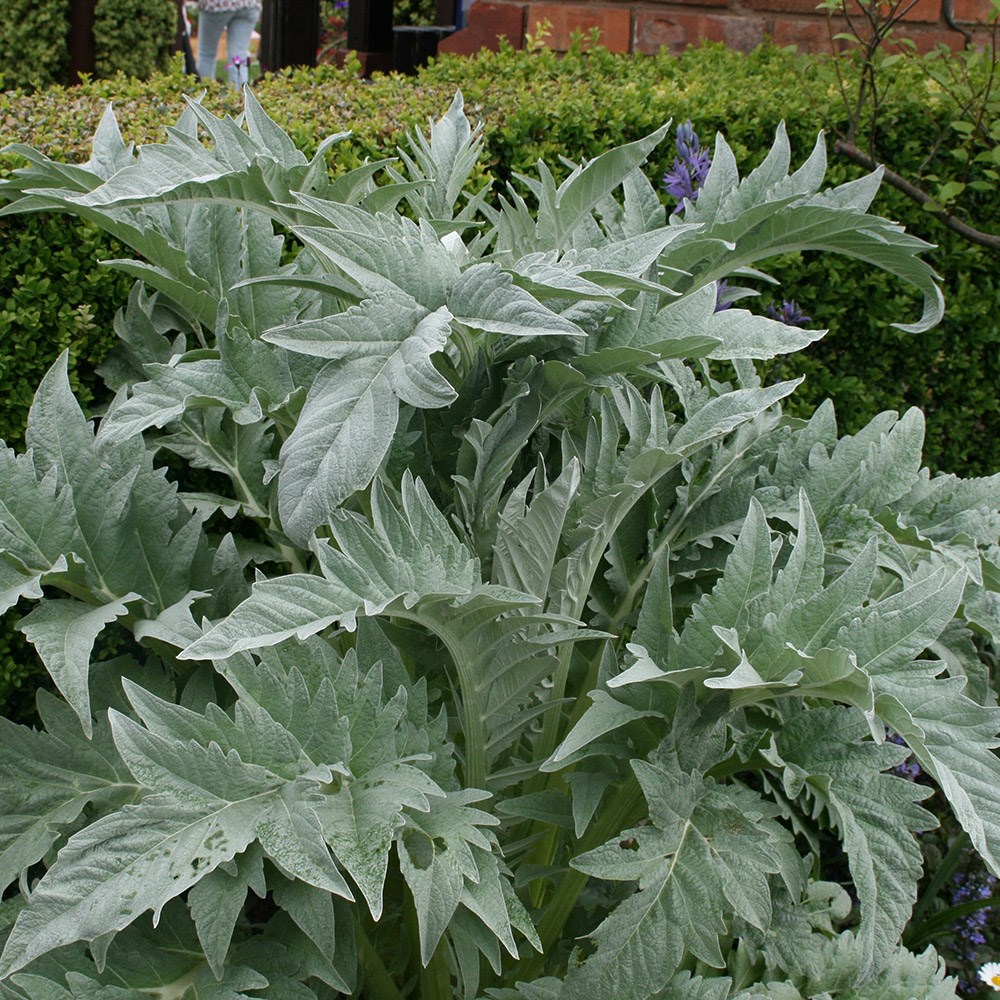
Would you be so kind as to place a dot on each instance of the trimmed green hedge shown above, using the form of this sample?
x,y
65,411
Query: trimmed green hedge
x,y
52,297
135,37
34,38
53,294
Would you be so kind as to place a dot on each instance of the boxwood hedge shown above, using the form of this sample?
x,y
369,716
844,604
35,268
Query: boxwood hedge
x,y
130,36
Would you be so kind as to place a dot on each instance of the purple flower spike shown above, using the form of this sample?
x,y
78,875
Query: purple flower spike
x,y
790,313
722,299
909,769
973,883
687,142
690,168
239,71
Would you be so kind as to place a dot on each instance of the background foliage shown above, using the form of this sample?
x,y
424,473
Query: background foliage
x,y
134,37
35,43
543,111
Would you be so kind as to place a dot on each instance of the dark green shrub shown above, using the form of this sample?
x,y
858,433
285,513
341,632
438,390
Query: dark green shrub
x,y
582,103
134,37
51,297
413,12
35,43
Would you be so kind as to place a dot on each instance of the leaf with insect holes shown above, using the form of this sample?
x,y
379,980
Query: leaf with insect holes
x,y
709,849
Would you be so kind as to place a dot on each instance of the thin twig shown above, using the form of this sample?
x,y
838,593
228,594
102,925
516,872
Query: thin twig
x,y
920,196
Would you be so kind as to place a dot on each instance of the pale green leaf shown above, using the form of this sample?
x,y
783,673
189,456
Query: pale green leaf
x,y
347,423
384,254
724,414
767,215
747,579
744,335
361,819
897,629
36,524
46,780
486,298
248,730
409,552
307,690
654,631
580,193
316,916
528,535
438,855
708,849
444,159
343,434
604,715
817,621
729,333
493,901
292,836
188,772
299,605
109,152
63,632
113,513
246,378
955,740
907,976
875,813
376,327
127,863
216,902
802,575
870,469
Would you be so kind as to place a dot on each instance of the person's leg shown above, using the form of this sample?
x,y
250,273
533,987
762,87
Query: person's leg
x,y
238,35
210,25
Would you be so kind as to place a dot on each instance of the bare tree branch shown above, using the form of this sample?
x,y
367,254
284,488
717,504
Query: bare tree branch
x,y
920,196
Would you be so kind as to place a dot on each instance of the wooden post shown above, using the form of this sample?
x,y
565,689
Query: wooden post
x,y
289,33
369,33
445,11
81,38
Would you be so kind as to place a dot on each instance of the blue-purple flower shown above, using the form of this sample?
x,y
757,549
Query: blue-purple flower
x,y
970,887
970,929
909,769
723,299
790,313
685,178
239,71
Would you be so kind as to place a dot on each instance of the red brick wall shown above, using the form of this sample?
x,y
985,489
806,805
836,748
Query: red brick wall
x,y
649,25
